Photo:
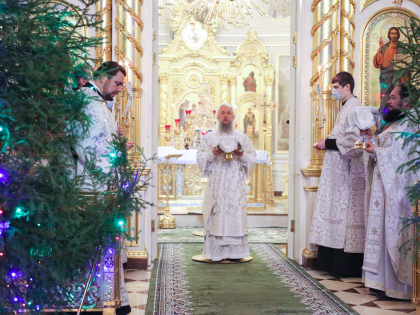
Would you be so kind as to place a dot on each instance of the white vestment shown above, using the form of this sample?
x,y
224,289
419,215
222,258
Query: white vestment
x,y
338,219
224,205
100,131
386,268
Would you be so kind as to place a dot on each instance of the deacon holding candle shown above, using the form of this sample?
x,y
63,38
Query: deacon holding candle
x,y
338,222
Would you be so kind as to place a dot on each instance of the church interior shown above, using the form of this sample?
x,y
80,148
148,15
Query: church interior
x,y
274,62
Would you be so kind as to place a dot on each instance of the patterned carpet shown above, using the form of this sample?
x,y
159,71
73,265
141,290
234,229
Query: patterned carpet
x,y
270,284
255,235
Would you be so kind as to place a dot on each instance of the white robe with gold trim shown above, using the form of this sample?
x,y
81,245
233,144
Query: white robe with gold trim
x,y
338,219
224,205
386,268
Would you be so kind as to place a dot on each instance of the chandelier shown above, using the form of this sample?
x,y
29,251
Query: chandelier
x,y
230,12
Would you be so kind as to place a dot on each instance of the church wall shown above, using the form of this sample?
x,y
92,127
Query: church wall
x,y
300,133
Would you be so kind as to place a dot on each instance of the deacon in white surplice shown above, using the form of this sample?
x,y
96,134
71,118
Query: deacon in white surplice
x,y
386,267
338,222
224,205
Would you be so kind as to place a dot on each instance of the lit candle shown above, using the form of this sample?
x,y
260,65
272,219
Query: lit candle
x,y
177,122
168,128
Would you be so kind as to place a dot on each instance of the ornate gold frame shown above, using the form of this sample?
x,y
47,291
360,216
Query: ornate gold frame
x,y
361,41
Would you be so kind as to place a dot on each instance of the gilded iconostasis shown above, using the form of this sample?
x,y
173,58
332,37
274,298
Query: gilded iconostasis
x,y
237,65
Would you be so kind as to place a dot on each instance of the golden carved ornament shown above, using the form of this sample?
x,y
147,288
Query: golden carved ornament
x,y
104,11
193,80
132,13
330,62
137,254
163,78
398,2
325,42
295,37
251,53
233,80
103,52
347,15
294,61
269,80
353,3
349,58
251,36
314,4
132,40
194,185
349,38
194,53
181,45
154,59
122,56
177,88
325,17
193,64
154,34
212,88
224,78
105,30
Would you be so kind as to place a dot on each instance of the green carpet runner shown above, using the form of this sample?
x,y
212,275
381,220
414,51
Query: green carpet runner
x,y
270,284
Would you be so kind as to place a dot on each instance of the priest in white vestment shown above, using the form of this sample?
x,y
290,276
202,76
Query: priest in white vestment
x,y
107,83
224,205
386,268
338,222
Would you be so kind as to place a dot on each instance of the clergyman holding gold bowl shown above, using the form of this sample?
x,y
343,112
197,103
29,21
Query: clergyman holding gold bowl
x,y
224,204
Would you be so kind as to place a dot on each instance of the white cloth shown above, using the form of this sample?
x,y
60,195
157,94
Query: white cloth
x,y
386,268
224,204
366,117
338,220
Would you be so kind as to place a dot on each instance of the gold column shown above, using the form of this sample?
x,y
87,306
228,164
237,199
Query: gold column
x,y
325,33
163,100
347,44
104,50
129,51
224,78
269,80
232,82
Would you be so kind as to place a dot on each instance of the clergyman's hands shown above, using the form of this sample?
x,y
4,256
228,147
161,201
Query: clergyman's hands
x,y
238,153
370,147
320,145
120,131
367,133
129,145
217,151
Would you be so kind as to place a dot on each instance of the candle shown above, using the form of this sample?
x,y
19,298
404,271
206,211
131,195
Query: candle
x,y
177,122
168,128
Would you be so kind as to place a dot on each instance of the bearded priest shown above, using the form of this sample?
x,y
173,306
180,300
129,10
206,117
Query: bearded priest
x,y
387,268
338,222
226,157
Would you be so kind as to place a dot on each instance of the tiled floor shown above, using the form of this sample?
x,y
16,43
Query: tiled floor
x,y
137,282
353,292
350,290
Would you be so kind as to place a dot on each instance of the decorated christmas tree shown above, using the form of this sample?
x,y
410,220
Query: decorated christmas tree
x,y
51,228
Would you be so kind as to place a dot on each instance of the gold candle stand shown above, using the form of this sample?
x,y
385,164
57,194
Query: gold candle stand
x,y
167,221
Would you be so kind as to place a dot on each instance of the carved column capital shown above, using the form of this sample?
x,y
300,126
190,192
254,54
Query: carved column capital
x,y
233,80
163,78
224,78
269,80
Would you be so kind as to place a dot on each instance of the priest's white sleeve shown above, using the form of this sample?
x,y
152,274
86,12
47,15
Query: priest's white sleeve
x,y
249,158
205,156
